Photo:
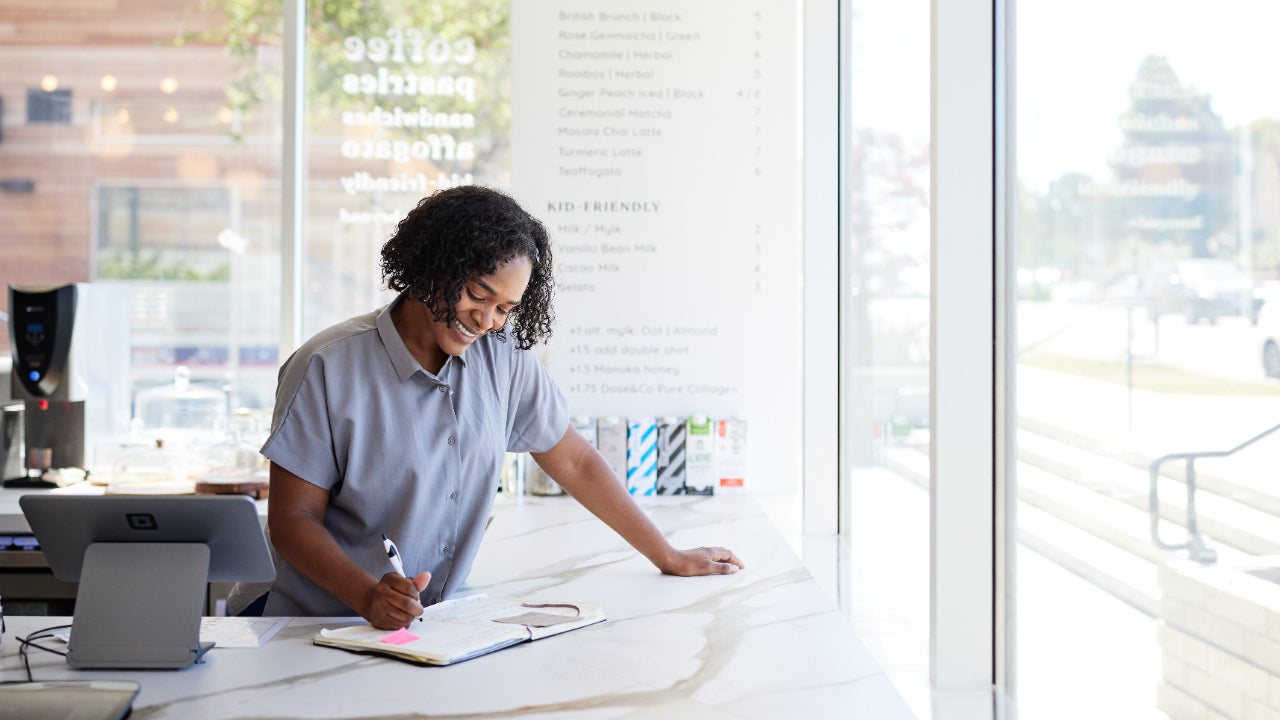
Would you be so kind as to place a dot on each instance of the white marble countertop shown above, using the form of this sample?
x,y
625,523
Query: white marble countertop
x,y
764,643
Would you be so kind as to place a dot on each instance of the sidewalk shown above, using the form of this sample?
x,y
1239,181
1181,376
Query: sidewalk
x,y
1151,425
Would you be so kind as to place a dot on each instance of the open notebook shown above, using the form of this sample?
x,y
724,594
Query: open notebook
x,y
463,628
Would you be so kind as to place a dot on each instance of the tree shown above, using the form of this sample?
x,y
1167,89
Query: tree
x,y
1069,228
888,201
251,26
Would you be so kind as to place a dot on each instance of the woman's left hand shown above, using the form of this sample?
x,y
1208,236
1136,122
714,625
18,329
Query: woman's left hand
x,y
702,561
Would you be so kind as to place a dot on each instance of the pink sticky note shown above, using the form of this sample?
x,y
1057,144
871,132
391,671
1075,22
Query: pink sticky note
x,y
399,637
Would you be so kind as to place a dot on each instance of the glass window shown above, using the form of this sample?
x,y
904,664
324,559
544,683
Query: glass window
x,y
627,122
403,99
1147,230
886,268
149,160
48,106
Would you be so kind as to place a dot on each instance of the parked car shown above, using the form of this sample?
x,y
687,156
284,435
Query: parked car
x,y
1201,289
1269,339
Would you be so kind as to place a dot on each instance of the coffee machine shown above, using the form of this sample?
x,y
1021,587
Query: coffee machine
x,y
70,346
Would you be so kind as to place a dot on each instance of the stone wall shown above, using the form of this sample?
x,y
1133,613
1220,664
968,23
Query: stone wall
x,y
1220,640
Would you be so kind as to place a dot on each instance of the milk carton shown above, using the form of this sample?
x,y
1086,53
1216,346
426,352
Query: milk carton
x,y
700,466
642,456
611,441
731,455
671,456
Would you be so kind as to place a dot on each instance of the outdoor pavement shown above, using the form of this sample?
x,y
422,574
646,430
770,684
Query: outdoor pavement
x,y
1150,425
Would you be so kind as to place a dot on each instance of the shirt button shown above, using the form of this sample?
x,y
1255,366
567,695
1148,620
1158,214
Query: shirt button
x,y
445,549
453,496
444,389
453,440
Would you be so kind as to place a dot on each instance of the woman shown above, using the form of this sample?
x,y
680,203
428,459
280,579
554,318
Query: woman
x,y
396,422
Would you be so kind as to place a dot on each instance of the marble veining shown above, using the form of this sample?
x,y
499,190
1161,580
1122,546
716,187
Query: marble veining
x,y
763,643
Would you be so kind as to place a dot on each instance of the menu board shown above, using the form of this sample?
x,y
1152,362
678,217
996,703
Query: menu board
x,y
658,142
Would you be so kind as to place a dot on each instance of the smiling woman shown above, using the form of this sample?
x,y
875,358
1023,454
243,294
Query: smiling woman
x,y
456,236
398,421
484,307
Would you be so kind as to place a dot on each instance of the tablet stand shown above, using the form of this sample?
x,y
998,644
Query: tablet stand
x,y
139,606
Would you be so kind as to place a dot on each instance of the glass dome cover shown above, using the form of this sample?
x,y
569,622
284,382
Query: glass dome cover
x,y
181,406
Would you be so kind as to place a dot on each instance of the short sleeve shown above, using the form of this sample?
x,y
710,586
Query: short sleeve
x,y
301,440
538,414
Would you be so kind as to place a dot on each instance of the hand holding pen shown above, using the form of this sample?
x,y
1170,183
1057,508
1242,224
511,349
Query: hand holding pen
x,y
393,602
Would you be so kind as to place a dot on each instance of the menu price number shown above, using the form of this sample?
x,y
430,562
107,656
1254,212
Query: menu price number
x,y
583,388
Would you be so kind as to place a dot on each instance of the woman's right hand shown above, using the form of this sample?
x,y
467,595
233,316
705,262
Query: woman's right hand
x,y
393,603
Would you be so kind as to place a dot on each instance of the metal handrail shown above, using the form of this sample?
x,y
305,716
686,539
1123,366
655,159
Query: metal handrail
x,y
1196,545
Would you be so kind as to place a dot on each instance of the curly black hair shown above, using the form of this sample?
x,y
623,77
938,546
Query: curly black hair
x,y
456,235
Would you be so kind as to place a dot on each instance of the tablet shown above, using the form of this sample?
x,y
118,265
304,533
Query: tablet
x,y
143,564
66,525
82,700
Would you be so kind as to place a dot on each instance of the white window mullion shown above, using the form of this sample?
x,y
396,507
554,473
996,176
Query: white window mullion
x,y
962,349
293,175
821,266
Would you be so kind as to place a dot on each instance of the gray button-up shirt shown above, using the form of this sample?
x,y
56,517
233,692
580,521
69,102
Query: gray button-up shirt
x,y
403,452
